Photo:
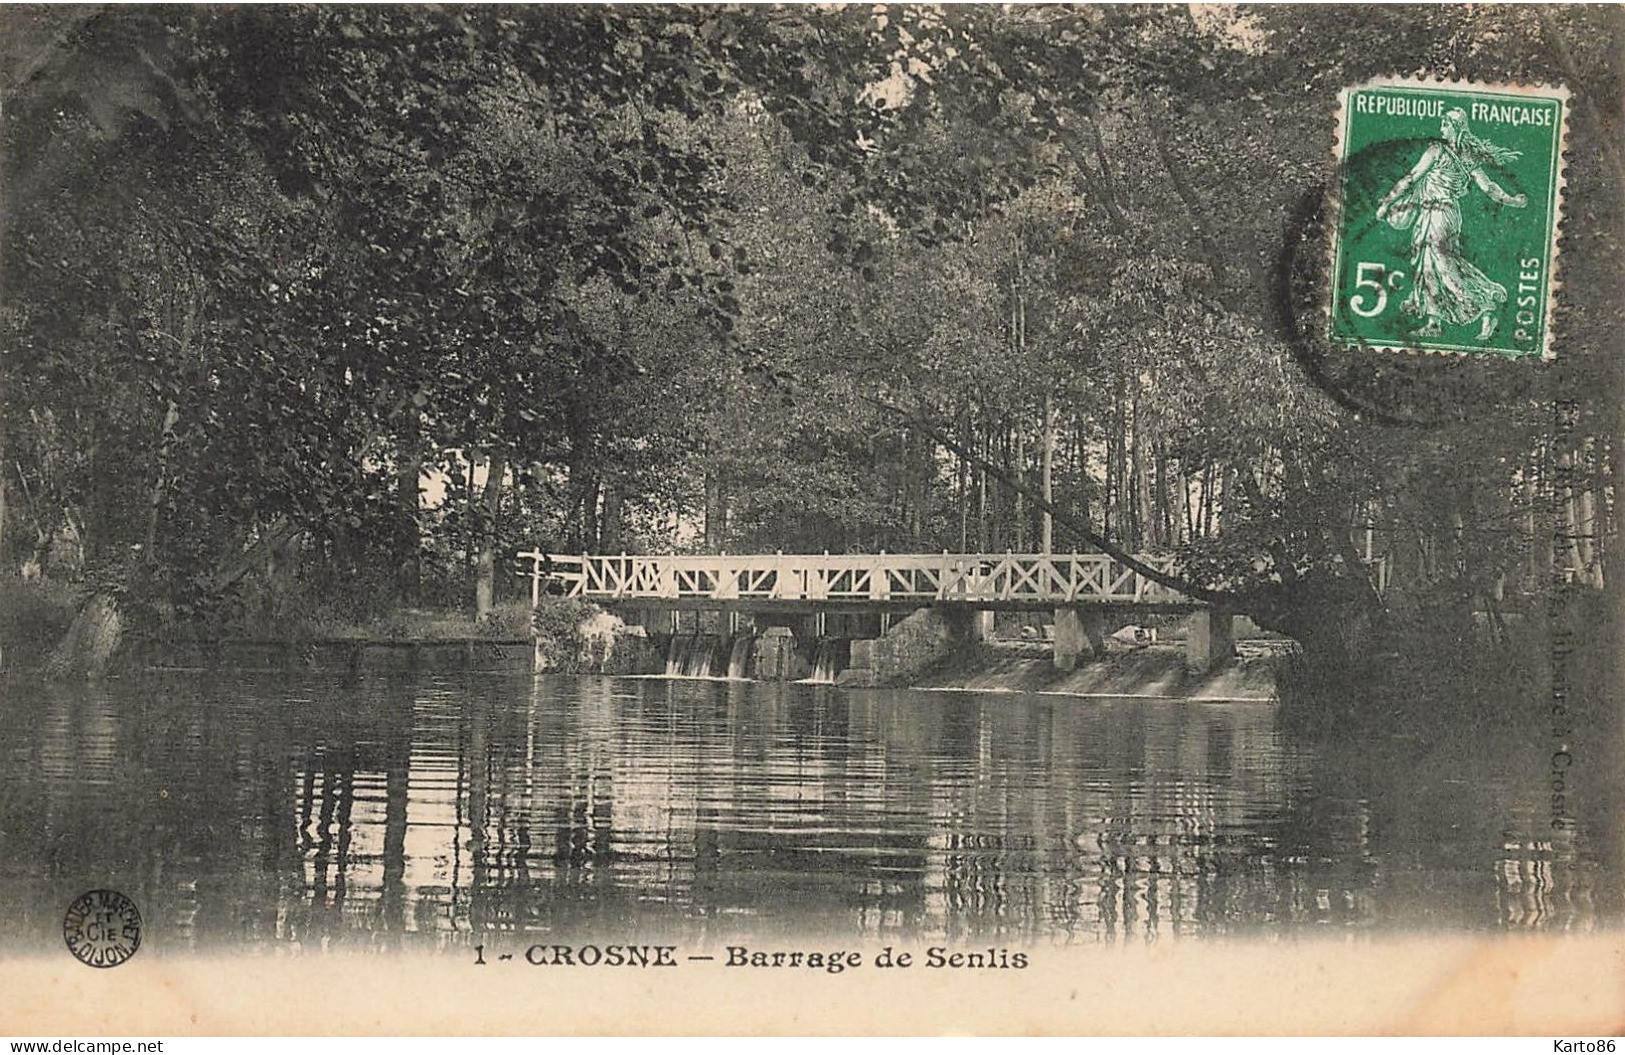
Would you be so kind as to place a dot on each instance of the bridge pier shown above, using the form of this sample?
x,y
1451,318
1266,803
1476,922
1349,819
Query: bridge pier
x,y
1210,640
968,626
913,644
1076,631
774,656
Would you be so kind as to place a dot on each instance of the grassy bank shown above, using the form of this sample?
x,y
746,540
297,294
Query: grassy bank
x,y
36,614
572,635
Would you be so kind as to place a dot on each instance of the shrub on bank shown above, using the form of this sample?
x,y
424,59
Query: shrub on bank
x,y
557,624
34,615
506,622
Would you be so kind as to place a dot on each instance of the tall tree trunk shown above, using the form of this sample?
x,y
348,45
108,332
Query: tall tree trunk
x,y
998,446
1185,499
160,481
998,521
920,492
1047,534
964,480
591,491
1122,485
91,640
1207,501
99,513
1019,533
716,513
1108,504
609,525
471,551
1080,469
408,501
581,512
1161,505
1144,515
1133,490
491,508
981,500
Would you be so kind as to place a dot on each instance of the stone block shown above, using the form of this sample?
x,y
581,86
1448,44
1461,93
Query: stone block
x,y
774,657
1209,641
1070,642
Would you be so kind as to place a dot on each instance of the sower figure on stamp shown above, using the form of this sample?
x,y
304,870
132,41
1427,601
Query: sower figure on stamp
x,y
1445,287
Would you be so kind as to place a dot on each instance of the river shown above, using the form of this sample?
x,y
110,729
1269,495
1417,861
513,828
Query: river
x,y
254,813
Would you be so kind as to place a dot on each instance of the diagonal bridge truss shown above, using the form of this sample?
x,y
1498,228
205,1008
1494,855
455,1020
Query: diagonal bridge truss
x,y
980,579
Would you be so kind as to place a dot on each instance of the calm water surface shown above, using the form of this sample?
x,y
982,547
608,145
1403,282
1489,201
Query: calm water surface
x,y
257,813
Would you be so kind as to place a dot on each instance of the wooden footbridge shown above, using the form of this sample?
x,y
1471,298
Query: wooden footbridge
x,y
990,581
1089,594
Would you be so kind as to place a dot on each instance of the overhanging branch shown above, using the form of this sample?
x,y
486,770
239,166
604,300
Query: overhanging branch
x,y
1221,598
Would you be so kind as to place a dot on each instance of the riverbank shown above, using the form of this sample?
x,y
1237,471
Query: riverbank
x,y
38,616
1154,672
571,636
336,655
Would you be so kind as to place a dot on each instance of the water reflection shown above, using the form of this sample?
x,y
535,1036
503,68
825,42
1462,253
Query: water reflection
x,y
294,815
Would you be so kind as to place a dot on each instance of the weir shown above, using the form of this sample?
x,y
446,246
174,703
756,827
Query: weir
x,y
861,600
691,656
827,661
739,656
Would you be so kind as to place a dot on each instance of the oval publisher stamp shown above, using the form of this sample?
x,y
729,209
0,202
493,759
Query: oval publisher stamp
x,y
102,928
1449,199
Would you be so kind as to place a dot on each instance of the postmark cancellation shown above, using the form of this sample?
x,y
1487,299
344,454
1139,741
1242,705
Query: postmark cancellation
x,y
102,928
1448,202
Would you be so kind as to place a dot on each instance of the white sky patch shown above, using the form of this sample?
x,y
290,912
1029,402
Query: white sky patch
x,y
895,90
435,484
1238,29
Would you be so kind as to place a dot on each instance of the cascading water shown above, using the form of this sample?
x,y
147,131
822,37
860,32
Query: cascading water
x,y
739,656
693,656
674,655
699,655
824,663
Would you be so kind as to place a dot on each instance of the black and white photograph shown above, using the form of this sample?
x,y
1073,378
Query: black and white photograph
x,y
851,519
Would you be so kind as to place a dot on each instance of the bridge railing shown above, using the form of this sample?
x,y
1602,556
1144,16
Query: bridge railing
x,y
902,577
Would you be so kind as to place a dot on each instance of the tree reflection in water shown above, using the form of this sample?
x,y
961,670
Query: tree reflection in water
x,y
394,813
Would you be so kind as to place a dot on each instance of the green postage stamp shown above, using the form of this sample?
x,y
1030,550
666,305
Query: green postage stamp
x,y
1445,239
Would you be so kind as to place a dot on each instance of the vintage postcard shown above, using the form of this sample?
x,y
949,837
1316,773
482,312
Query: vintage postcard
x,y
839,519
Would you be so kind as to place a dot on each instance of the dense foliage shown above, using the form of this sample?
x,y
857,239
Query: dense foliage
x,y
308,302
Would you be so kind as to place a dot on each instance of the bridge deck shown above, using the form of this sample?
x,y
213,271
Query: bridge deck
x,y
1025,580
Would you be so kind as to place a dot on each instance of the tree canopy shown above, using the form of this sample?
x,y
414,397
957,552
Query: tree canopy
x,y
404,290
